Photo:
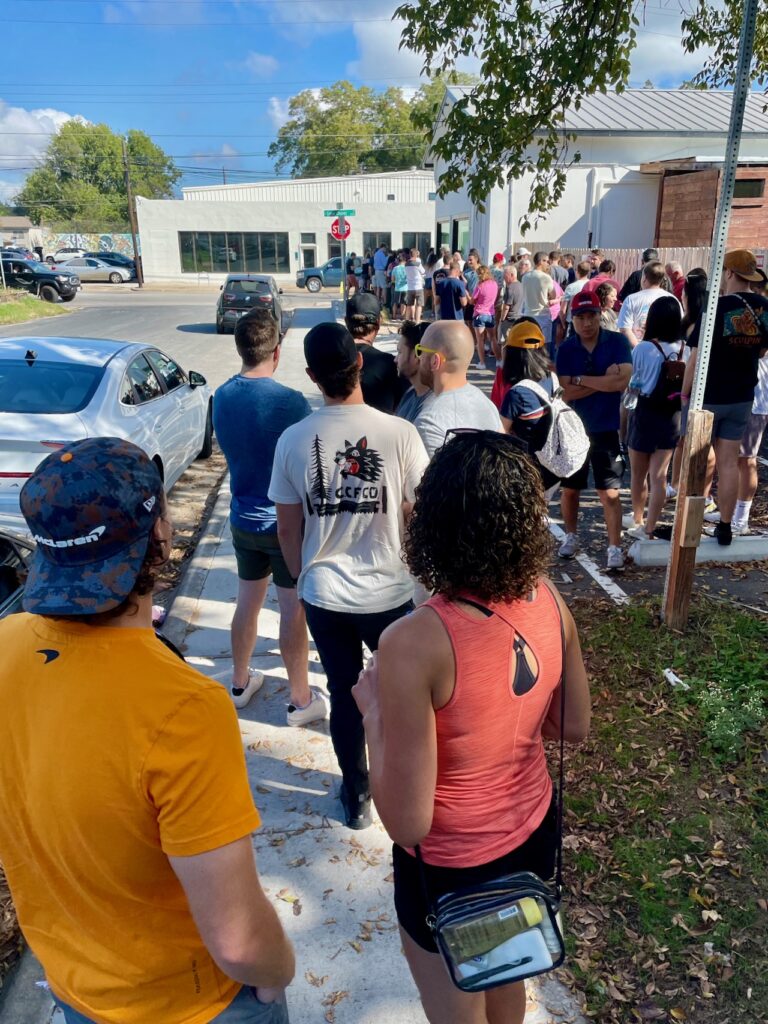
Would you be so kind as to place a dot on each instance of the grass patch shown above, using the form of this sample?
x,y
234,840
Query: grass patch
x,y
16,307
666,845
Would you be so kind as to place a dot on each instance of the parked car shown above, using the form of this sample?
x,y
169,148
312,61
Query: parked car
x,y
40,279
116,259
241,293
18,251
15,551
57,390
64,254
314,278
88,268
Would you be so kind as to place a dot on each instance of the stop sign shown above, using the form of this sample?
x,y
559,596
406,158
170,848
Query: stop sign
x,y
336,231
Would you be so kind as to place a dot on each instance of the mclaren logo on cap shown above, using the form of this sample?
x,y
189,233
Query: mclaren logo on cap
x,y
89,538
149,504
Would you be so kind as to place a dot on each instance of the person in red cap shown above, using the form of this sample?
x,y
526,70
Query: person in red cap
x,y
594,367
740,339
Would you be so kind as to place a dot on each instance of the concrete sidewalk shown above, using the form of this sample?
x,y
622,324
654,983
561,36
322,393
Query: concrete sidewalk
x,y
332,887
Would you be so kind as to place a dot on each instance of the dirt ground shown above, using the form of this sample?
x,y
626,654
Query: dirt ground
x,y
189,505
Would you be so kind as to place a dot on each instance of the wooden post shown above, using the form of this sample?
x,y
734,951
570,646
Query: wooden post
x,y
688,520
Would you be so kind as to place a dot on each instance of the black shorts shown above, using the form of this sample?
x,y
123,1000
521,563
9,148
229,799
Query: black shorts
x,y
651,429
537,854
607,464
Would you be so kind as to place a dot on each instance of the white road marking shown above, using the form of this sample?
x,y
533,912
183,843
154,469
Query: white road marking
x,y
612,589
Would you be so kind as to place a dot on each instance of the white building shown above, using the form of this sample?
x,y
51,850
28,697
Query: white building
x,y
609,201
276,227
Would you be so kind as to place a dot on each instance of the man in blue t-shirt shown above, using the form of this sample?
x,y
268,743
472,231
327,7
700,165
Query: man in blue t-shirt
x,y
594,367
452,294
250,412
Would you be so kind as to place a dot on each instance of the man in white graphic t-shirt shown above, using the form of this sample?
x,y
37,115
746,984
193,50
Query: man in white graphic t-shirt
x,y
634,309
343,483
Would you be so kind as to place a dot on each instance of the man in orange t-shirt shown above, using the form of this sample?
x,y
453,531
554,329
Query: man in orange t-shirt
x,y
125,810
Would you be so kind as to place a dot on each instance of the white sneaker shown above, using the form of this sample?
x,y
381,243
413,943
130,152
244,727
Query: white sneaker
x,y
615,557
315,711
637,532
241,696
568,548
712,517
627,521
671,492
741,530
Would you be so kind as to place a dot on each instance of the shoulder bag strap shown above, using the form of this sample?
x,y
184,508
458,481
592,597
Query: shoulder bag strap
x,y
561,770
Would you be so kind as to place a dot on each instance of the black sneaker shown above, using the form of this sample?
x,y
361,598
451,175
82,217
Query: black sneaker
x,y
357,809
722,532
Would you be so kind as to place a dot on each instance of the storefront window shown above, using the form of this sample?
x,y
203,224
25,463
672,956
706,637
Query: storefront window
x,y
204,252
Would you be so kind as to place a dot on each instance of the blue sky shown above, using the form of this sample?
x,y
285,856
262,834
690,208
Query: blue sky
x,y
210,79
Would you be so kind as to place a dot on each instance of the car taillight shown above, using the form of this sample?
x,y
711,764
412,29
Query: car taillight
x,y
265,298
53,444
228,296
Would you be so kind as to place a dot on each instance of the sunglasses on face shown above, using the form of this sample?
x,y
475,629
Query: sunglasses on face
x,y
422,350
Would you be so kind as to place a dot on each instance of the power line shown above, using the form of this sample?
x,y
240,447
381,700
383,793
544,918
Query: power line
x,y
201,24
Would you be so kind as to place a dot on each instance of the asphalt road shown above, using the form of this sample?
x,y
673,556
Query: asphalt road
x,y
179,323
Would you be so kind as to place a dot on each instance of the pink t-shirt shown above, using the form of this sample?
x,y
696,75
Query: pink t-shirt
x,y
485,298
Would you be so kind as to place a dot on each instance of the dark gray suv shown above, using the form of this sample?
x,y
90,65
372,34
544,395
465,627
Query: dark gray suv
x,y
241,293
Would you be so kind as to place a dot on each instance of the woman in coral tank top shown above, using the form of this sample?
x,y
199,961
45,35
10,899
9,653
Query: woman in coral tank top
x,y
460,697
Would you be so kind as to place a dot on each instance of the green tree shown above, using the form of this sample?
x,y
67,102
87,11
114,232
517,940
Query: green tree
x,y
82,177
538,60
344,129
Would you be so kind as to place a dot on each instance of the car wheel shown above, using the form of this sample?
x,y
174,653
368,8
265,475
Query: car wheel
x,y
207,448
48,293
115,278
220,327
313,284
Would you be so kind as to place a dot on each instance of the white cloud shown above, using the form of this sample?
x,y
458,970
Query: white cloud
x,y
260,65
24,138
227,150
277,111
379,59
659,55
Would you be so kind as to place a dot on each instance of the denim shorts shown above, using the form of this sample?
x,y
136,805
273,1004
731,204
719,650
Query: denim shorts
x,y
245,1008
483,320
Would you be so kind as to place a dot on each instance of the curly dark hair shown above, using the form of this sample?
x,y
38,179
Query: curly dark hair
x,y
478,524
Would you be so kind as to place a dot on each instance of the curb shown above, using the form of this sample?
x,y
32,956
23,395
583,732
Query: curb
x,y
181,615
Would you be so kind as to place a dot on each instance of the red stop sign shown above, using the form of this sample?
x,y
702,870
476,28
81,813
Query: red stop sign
x,y
336,231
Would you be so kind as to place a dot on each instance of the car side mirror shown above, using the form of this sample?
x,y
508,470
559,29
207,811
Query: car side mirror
x,y
221,287
196,380
279,291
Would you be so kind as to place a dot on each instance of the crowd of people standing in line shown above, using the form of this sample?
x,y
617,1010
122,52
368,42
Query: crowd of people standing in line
x,y
584,314
130,860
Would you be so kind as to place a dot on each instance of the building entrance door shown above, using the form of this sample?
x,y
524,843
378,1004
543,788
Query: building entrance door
x,y
308,256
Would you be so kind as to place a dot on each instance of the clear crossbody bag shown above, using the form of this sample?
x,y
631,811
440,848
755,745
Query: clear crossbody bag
x,y
507,929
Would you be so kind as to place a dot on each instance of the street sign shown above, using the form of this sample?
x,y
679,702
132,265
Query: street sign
x,y
339,232
338,213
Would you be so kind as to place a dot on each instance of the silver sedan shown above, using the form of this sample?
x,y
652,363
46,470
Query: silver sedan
x,y
88,268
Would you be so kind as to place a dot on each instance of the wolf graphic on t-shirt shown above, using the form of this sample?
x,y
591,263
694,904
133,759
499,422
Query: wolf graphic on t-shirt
x,y
352,486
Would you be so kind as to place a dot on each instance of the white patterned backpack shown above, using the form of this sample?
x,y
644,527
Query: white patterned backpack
x,y
567,445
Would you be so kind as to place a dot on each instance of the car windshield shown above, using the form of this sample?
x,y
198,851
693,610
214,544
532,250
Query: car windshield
x,y
247,287
46,387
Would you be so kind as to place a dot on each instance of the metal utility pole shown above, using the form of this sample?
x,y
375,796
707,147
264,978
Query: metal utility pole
x,y
342,232
132,216
689,516
224,175
2,275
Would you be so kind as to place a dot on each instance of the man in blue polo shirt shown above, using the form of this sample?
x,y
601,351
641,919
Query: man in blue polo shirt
x,y
594,367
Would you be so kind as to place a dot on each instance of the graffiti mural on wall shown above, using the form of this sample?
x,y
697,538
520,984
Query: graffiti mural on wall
x,y
92,241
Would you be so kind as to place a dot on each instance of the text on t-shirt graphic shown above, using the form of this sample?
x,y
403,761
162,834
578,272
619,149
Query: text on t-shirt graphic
x,y
358,491
742,326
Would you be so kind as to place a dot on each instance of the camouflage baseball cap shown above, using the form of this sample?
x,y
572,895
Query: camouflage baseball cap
x,y
90,507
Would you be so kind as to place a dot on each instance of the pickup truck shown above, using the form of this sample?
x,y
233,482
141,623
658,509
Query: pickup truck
x,y
315,278
40,279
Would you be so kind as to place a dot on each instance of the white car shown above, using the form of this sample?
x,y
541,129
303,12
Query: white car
x,y
64,254
88,268
57,390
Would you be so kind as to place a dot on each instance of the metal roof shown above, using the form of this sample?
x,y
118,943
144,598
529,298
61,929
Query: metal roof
x,y
657,112
411,186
